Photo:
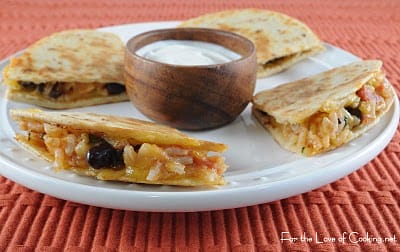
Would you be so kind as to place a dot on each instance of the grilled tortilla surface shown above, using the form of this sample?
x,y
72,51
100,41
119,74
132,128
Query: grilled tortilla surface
x,y
280,40
324,111
118,148
67,69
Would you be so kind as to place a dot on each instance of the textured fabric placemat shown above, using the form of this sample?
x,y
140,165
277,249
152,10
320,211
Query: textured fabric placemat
x,y
362,208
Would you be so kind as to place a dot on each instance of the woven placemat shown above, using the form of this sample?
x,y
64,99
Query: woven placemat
x,y
360,212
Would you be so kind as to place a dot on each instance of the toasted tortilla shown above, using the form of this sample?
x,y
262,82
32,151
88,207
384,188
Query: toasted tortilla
x,y
280,40
87,57
159,141
299,107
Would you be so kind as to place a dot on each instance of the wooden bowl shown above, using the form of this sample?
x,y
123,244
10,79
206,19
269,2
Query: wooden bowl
x,y
191,97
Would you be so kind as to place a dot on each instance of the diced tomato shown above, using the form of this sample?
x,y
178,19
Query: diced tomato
x,y
367,93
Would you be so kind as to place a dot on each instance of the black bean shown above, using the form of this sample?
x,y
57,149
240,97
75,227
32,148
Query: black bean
x,y
93,139
115,88
28,86
104,155
41,87
56,91
136,147
355,112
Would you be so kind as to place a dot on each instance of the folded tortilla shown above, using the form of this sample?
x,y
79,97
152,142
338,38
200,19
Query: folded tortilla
x,y
120,149
280,40
72,68
324,111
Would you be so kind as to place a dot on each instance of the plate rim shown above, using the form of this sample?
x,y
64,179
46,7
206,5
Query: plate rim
x,y
218,194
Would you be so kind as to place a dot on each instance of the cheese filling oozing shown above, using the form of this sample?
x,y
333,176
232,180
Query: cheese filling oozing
x,y
110,159
331,127
70,91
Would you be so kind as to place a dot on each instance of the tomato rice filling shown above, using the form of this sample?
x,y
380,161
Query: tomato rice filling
x,y
327,128
110,159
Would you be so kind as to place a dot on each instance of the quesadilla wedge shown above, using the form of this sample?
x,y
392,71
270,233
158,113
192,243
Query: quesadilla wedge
x,y
72,68
120,149
280,40
324,111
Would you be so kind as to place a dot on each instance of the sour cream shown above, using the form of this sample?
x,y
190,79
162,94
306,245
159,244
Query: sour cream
x,y
187,52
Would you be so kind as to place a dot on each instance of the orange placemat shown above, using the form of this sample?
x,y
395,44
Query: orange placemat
x,y
360,212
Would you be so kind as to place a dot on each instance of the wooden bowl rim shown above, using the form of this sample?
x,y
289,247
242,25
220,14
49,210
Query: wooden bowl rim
x,y
248,44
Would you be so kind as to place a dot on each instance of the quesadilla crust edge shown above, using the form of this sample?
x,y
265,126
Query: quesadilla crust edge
x,y
326,129
118,127
80,55
274,34
294,101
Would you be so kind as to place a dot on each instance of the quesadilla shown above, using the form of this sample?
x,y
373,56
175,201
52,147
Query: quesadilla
x,y
72,68
120,149
280,40
324,111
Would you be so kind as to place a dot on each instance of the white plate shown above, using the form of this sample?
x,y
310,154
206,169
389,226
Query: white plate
x,y
260,170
